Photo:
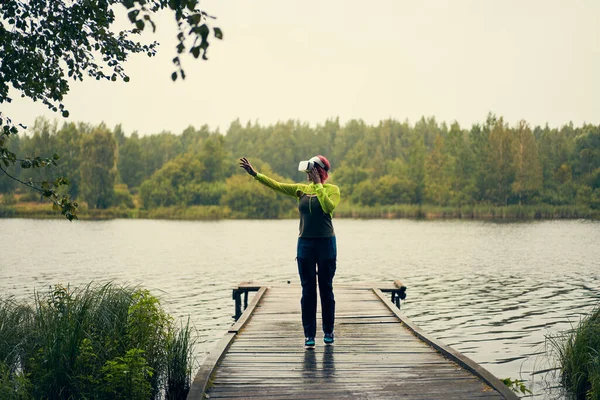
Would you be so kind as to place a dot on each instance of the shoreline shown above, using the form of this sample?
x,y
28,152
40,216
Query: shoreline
x,y
401,211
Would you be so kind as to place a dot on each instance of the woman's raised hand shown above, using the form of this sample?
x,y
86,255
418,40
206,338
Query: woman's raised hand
x,y
244,163
314,175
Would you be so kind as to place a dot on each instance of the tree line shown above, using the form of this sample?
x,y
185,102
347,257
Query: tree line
x,y
392,162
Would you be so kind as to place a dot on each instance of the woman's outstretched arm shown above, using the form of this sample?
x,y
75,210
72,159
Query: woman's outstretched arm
x,y
290,189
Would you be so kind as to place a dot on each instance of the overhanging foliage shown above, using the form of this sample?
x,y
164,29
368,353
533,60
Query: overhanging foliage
x,y
46,43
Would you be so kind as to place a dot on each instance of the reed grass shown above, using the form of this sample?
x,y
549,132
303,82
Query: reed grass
x,y
577,352
344,210
189,213
97,341
179,363
479,212
15,322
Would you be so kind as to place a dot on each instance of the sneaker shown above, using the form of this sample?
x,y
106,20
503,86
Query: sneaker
x,y
309,343
328,338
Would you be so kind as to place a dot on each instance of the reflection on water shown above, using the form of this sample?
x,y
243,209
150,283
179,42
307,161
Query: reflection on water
x,y
492,291
309,366
318,364
328,365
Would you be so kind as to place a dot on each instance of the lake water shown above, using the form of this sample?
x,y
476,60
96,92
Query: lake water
x,y
493,291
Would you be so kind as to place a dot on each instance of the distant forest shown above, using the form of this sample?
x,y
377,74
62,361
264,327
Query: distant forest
x,y
391,163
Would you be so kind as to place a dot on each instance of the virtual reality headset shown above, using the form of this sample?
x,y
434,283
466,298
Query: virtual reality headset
x,y
306,166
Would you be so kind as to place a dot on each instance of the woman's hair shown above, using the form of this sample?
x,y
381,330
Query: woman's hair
x,y
323,173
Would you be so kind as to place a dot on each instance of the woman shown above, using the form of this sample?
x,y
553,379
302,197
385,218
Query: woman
x,y
316,241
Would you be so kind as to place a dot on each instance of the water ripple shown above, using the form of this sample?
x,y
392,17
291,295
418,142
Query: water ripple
x,y
492,291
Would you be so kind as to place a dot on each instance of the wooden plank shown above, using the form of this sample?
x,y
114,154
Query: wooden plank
x,y
255,286
374,357
202,378
248,311
449,352
349,394
398,284
433,389
208,366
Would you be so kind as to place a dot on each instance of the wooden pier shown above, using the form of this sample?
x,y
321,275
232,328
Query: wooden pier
x,y
378,353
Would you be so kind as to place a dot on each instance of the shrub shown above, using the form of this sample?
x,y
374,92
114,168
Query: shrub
x,y
101,342
123,197
249,199
9,199
13,385
30,195
202,193
128,377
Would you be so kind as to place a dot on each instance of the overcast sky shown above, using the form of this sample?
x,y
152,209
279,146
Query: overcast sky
x,y
537,60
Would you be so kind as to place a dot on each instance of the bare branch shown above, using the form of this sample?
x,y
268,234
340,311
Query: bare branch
x,y
28,184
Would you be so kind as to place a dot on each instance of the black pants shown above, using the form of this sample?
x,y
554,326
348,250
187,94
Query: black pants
x,y
313,252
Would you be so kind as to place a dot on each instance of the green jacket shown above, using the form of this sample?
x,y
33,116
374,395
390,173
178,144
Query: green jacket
x,y
328,195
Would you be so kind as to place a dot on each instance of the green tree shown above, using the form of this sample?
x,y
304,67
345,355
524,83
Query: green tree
x,y
203,193
563,174
528,173
68,146
395,190
347,138
500,173
416,163
460,165
244,140
587,152
366,193
191,139
40,141
389,163
167,184
324,139
119,135
98,168
479,148
131,163
556,152
348,176
216,158
437,174
249,199
282,138
8,185
159,149
77,38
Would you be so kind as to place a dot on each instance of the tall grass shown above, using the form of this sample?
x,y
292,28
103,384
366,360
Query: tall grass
x,y
578,354
179,363
15,323
189,213
344,210
96,342
480,212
